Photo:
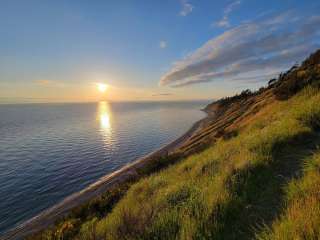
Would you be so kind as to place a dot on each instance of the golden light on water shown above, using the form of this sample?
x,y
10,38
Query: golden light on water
x,y
105,121
104,118
102,87
104,114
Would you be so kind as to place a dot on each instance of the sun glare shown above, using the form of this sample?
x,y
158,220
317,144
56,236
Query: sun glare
x,y
102,87
104,116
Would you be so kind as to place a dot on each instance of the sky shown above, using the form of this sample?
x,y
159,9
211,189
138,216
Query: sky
x,y
57,51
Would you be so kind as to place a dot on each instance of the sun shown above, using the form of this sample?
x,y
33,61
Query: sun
x,y
102,87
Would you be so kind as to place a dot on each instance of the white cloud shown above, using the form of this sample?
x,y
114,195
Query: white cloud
x,y
224,22
163,44
250,50
44,82
186,8
231,6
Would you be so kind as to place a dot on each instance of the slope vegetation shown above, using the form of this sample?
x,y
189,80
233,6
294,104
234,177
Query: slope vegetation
x,y
251,172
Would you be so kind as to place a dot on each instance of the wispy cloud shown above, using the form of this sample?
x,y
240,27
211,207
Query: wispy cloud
x,y
224,21
250,50
186,8
48,83
162,44
44,82
161,94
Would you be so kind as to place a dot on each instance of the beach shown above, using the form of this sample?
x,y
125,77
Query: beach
x,y
52,214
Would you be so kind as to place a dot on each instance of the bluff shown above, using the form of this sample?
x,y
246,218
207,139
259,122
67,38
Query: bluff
x,y
250,170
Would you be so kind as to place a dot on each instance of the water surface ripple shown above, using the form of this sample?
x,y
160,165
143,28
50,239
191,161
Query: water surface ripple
x,y
49,151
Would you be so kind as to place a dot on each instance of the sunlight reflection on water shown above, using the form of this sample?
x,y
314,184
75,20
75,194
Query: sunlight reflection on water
x,y
49,151
104,116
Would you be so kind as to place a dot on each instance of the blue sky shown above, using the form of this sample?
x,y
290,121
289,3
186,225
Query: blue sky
x,y
149,50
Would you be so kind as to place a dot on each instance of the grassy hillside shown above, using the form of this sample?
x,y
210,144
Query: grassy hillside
x,y
257,178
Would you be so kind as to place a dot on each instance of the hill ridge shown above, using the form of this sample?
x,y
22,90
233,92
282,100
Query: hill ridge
x,y
245,172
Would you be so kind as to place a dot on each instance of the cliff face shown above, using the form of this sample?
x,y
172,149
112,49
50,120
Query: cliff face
x,y
250,171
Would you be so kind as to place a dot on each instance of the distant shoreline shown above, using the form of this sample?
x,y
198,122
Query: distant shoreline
x,y
50,215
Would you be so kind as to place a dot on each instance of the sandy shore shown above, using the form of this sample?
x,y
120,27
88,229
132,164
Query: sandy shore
x,y
49,216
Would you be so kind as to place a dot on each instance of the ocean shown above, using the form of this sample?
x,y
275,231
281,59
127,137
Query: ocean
x,y
49,151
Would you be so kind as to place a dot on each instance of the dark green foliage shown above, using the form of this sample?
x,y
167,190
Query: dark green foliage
x,y
159,163
100,206
69,226
297,78
238,97
272,82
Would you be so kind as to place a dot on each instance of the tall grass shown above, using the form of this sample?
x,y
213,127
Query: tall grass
x,y
254,185
301,216
233,190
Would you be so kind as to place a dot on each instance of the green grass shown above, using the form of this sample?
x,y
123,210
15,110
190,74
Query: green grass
x,y
263,183
233,190
301,216
80,221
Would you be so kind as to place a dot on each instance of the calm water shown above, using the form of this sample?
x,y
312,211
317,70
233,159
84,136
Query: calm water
x,y
49,151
